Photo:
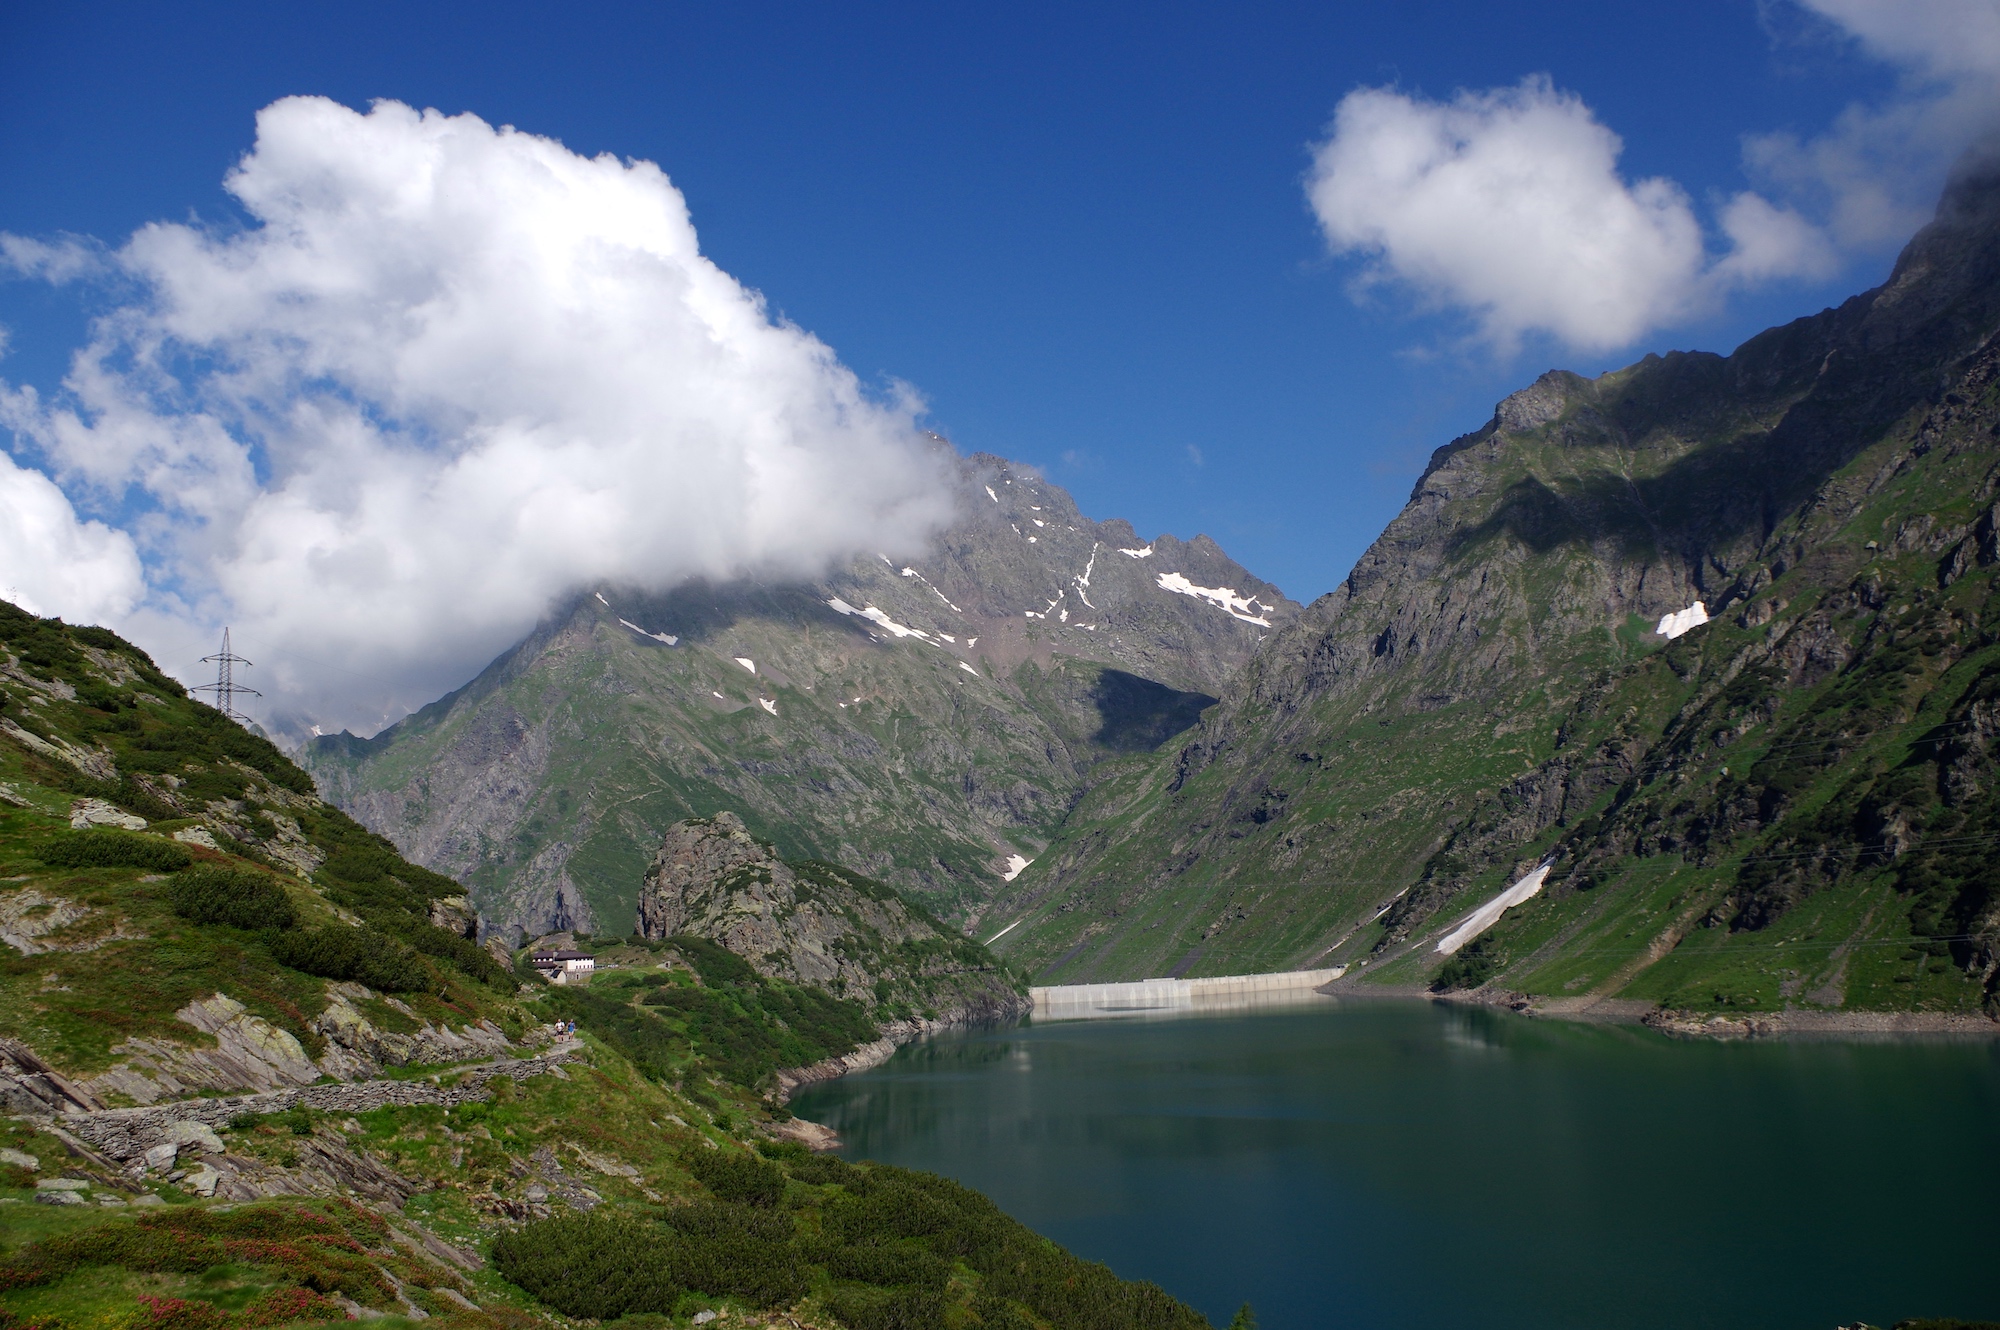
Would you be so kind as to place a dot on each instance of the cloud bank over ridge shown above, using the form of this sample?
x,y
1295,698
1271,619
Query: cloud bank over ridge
x,y
450,373
1507,204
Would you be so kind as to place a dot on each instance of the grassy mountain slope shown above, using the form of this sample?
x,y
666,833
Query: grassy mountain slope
x,y
276,946
922,723
1785,806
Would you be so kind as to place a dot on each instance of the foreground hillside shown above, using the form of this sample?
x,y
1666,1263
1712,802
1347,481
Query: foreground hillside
x,y
928,723
259,1075
1781,796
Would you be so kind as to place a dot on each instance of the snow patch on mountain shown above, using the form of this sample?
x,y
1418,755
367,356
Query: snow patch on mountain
x,y
1239,607
1489,914
1145,553
877,617
911,572
1083,579
668,638
1673,625
746,663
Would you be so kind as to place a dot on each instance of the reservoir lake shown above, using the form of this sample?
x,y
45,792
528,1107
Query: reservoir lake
x,y
1401,1163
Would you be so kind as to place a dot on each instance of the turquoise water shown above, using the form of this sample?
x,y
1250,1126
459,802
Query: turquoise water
x,y
1405,1164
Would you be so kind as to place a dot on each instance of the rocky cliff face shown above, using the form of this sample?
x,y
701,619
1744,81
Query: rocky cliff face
x,y
1500,681
926,722
817,925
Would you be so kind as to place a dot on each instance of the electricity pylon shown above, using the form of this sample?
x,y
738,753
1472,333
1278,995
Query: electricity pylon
x,y
225,686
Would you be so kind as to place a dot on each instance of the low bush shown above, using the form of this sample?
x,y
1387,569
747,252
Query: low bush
x,y
468,956
1469,967
746,1026
231,896
106,848
308,1247
730,1176
605,1267
899,1208
594,1266
895,1309
360,955
736,1250
648,1044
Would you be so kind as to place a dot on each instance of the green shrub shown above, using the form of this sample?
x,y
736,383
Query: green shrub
x,y
647,1043
889,1267
360,955
746,1026
789,1151
737,1250
730,1176
309,1247
594,1266
231,896
468,956
1469,967
897,1309
824,1170
105,848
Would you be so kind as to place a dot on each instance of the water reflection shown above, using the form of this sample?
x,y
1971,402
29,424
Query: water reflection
x,y
1375,1163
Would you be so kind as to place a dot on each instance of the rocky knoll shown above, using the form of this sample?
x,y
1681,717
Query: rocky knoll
x,y
819,926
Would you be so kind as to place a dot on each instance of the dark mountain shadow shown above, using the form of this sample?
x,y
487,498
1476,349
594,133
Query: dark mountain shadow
x,y
1137,715
698,610
1844,378
1730,491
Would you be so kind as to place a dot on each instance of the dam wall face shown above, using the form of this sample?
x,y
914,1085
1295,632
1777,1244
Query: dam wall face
x,y
1081,1001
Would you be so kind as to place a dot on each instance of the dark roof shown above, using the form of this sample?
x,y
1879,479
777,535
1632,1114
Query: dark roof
x,y
562,956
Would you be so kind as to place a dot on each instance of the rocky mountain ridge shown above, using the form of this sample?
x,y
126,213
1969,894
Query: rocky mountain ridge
x,y
928,723
1679,631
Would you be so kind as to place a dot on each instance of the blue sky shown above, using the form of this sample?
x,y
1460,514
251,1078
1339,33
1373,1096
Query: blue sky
x,y
1080,232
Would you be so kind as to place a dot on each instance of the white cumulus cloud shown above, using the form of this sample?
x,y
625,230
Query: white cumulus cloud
x,y
1508,204
448,373
51,563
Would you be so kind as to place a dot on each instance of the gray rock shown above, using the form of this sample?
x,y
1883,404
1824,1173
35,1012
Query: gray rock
x,y
58,1198
87,813
20,1159
61,1184
200,1135
812,924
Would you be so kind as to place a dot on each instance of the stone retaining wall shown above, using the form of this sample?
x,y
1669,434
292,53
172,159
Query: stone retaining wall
x,y
127,1133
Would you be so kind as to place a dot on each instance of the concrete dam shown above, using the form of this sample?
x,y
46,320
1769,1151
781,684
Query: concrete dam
x,y
1085,1001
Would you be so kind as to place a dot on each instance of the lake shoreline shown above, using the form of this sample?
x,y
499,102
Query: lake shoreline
x,y
1786,1024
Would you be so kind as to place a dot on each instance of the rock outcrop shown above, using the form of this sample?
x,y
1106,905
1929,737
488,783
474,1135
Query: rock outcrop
x,y
816,925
